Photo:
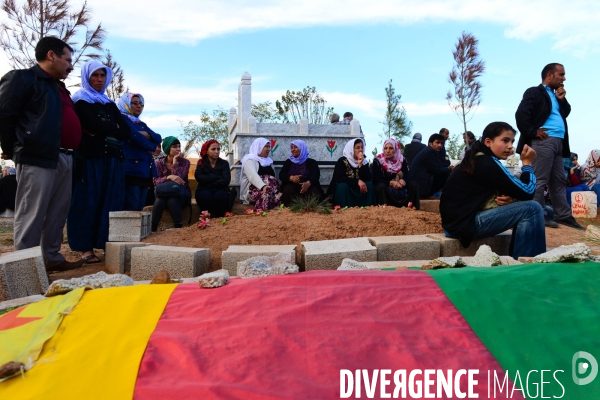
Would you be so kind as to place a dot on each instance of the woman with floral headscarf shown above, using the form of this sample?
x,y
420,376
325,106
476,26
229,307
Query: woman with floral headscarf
x,y
213,176
139,163
99,177
589,173
258,183
299,174
351,183
389,173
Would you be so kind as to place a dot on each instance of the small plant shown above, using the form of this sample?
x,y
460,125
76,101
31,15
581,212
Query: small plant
x,y
310,204
281,207
262,214
224,220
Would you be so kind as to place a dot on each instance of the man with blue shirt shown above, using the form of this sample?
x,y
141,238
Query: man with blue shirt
x,y
542,121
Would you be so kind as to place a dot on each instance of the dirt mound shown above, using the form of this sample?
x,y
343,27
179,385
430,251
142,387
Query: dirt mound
x,y
286,227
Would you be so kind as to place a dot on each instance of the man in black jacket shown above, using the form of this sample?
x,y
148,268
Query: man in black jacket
x,y
427,168
542,120
413,148
39,130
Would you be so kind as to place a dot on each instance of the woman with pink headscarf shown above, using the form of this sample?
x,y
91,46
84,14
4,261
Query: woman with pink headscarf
x,y
389,174
589,173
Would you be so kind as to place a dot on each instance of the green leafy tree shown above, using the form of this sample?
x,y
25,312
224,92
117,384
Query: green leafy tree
x,y
454,146
375,152
396,123
468,68
265,112
307,103
211,126
30,20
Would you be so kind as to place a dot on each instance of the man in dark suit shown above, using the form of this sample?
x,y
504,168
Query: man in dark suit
x,y
427,168
413,148
542,120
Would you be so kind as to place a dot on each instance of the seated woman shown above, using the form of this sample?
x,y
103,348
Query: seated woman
x,y
99,179
213,177
299,174
138,164
258,183
589,173
172,168
572,170
389,172
351,182
482,199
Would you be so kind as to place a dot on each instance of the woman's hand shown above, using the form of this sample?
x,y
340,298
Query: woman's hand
x,y
295,178
304,187
572,170
145,134
362,186
527,155
176,179
401,183
360,159
504,200
264,189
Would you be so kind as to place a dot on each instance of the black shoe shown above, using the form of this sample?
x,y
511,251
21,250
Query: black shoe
x,y
550,223
571,222
65,266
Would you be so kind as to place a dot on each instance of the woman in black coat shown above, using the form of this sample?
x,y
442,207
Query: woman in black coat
x,y
213,176
299,175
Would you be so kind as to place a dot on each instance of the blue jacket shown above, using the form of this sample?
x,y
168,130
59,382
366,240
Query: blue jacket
x,y
138,151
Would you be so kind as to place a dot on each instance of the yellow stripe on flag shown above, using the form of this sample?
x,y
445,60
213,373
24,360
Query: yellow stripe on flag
x,y
24,331
98,348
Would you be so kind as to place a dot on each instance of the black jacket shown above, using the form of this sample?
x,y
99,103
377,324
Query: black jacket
x,y
425,165
532,113
8,192
30,117
313,167
381,176
209,178
411,150
107,125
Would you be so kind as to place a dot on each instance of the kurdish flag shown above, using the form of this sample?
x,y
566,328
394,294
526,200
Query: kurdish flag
x,y
528,331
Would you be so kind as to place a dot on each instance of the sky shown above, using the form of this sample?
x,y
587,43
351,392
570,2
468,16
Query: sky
x,y
184,57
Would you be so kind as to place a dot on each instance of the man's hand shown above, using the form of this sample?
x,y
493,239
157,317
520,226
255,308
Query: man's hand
x,y
503,200
362,186
560,93
527,155
541,134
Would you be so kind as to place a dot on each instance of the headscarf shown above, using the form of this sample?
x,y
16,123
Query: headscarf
x,y
568,162
589,173
303,152
349,152
417,137
124,105
87,93
168,142
204,150
393,165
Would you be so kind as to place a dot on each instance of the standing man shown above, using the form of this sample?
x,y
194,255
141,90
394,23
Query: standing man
x,y
39,130
542,121
348,117
413,148
442,153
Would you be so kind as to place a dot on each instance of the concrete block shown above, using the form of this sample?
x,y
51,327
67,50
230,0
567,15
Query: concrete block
x,y
180,262
235,254
118,256
396,264
22,274
430,206
584,204
128,226
409,247
449,247
328,254
21,301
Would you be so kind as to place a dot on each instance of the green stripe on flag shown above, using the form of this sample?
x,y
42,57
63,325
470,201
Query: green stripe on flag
x,y
533,317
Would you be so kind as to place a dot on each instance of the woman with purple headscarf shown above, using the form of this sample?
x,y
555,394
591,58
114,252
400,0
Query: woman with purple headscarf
x,y
299,175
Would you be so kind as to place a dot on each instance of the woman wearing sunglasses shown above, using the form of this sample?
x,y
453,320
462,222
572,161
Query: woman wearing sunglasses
x,y
139,163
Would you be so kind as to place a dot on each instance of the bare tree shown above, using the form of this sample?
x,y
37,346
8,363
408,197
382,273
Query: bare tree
x,y
307,103
117,85
33,19
468,68
396,122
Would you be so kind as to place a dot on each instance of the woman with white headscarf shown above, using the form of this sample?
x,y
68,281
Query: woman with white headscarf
x,y
299,175
589,173
99,178
258,183
351,183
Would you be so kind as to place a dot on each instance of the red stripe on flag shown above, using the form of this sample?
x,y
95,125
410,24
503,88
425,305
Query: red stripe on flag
x,y
289,336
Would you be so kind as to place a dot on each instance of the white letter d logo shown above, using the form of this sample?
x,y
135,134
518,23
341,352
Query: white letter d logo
x,y
582,367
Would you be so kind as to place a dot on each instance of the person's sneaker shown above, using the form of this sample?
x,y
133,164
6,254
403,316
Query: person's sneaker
x,y
571,222
65,266
550,223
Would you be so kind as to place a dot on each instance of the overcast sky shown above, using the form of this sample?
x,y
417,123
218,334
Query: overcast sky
x,y
186,56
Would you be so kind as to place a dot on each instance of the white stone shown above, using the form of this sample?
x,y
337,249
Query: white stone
x,y
22,274
261,266
95,281
128,226
21,301
584,204
592,234
303,126
251,124
244,102
485,257
234,254
573,252
214,279
355,128
179,262
328,254
349,264
445,262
